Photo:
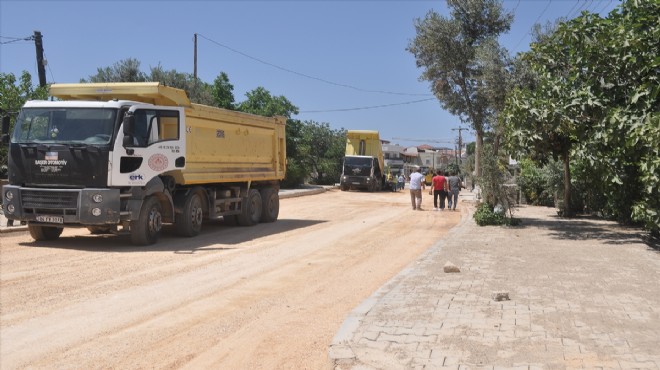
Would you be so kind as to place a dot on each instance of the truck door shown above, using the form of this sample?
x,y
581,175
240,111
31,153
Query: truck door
x,y
150,142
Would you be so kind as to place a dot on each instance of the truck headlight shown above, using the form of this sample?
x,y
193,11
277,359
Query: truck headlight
x,y
10,208
97,198
9,195
96,211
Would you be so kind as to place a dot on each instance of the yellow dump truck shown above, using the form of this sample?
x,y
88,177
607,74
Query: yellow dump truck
x,y
130,157
363,163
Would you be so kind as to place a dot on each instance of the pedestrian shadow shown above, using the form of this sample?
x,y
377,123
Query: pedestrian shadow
x,y
589,228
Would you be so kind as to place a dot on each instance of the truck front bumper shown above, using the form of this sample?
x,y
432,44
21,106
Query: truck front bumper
x,y
61,206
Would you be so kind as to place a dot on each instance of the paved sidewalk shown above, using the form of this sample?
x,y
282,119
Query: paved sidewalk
x,y
584,293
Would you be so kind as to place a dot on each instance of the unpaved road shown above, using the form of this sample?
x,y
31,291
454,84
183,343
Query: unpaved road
x,y
270,296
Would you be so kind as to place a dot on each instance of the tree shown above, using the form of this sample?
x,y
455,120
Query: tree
x,y
321,151
127,70
13,94
449,50
596,98
222,90
198,92
260,101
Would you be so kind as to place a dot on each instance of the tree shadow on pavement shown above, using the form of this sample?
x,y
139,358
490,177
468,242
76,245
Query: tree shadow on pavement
x,y
589,228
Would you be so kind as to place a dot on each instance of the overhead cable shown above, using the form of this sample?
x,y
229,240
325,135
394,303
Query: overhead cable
x,y
306,75
362,108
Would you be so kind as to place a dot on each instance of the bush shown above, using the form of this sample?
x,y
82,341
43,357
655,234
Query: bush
x,y
485,215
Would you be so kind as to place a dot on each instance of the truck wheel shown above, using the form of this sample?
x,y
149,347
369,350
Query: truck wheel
x,y
145,229
250,209
271,205
189,222
41,233
343,187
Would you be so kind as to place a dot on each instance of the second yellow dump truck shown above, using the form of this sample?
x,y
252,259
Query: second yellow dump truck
x,y
130,157
363,163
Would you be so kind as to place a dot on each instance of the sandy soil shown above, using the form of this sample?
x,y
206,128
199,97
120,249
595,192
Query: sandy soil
x,y
270,296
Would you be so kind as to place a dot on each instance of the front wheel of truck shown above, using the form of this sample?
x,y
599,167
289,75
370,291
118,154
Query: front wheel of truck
x,y
250,209
145,229
189,222
42,233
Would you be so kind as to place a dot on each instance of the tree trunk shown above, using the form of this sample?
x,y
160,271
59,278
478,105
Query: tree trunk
x,y
477,153
568,212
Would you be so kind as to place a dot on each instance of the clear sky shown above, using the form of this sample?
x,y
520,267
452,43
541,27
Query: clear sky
x,y
342,62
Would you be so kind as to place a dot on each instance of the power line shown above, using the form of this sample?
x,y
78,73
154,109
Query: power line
x,y
306,75
15,39
362,108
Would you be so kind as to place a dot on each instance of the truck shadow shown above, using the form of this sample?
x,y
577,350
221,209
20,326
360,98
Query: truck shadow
x,y
215,236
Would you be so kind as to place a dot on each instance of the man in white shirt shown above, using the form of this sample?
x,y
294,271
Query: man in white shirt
x,y
416,187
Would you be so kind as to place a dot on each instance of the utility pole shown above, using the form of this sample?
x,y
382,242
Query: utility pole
x,y
460,141
195,62
41,67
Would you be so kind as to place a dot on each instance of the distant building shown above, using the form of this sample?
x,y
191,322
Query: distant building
x,y
393,155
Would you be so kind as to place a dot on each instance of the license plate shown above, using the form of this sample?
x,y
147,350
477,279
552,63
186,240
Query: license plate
x,y
51,219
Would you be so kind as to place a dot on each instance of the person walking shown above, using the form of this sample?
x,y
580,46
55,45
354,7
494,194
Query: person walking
x,y
454,188
401,182
416,187
439,183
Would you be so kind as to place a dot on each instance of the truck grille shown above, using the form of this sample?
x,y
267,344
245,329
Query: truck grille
x,y
50,202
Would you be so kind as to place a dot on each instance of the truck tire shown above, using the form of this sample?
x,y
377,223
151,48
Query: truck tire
x,y
250,209
42,233
270,205
189,222
145,229
343,187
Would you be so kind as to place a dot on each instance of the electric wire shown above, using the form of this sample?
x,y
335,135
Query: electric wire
x,y
15,39
363,108
306,75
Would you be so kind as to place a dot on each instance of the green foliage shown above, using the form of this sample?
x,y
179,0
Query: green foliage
x,y
495,182
463,61
13,94
260,101
322,150
197,91
223,95
485,215
127,70
541,185
596,96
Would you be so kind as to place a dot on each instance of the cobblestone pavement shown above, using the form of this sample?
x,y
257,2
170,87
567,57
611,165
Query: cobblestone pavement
x,y
583,293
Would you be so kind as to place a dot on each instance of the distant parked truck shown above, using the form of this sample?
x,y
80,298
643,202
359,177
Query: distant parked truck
x,y
137,156
363,163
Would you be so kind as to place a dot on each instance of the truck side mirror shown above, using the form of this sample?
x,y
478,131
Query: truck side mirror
x,y
129,129
4,139
129,124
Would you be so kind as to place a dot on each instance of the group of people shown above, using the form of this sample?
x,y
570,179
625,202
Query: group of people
x,y
443,187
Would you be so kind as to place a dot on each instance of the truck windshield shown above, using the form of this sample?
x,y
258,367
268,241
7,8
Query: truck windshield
x,y
65,125
358,161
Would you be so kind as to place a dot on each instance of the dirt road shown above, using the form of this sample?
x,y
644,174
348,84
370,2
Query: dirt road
x,y
270,296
